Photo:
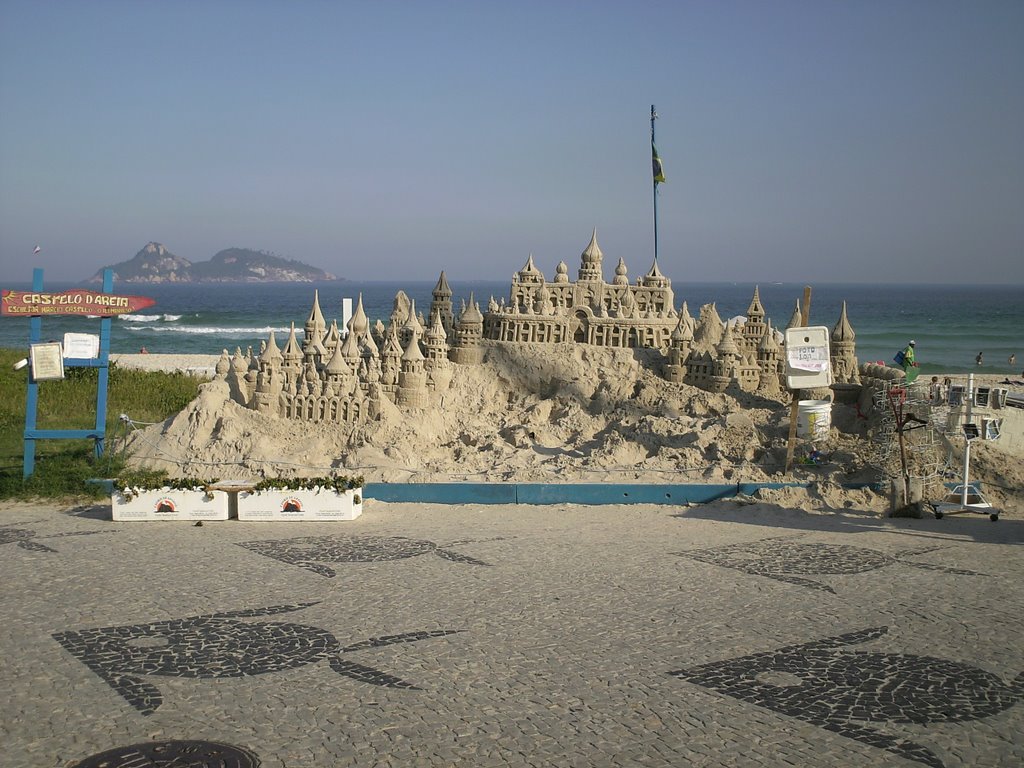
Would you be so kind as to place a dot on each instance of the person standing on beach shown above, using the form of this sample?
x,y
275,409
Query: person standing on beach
x,y
909,363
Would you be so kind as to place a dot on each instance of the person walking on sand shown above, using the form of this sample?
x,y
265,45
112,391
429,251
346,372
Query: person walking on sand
x,y
909,363
979,358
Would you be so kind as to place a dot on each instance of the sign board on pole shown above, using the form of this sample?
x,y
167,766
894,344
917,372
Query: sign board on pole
x,y
81,345
73,302
807,358
47,361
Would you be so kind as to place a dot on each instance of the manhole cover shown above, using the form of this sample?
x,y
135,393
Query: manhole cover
x,y
179,754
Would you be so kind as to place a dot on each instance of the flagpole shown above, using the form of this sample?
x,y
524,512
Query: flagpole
x,y
654,116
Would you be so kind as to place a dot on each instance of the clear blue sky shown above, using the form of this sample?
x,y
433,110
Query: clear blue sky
x,y
803,141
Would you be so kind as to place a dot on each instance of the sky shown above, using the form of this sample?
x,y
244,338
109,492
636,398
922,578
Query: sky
x,y
815,141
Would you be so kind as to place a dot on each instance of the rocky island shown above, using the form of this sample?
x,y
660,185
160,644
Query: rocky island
x,y
156,264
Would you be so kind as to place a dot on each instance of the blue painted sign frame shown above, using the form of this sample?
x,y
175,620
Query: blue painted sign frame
x,y
102,362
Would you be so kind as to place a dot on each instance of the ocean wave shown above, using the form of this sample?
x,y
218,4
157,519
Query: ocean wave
x,y
149,318
209,330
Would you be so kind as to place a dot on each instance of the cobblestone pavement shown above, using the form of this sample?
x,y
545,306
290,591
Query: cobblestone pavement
x,y
427,635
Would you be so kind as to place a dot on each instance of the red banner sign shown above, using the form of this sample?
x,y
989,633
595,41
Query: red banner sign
x,y
74,302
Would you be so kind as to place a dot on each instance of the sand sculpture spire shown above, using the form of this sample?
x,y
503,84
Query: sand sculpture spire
x,y
843,358
590,261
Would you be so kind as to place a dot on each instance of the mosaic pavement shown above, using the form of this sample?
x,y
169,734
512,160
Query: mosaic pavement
x,y
533,636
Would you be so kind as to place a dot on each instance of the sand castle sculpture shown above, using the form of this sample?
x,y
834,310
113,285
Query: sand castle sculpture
x,y
343,377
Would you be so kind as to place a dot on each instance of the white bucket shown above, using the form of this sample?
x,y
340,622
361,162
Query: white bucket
x,y
813,419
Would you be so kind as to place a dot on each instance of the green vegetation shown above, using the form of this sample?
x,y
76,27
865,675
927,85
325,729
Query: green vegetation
x,y
63,467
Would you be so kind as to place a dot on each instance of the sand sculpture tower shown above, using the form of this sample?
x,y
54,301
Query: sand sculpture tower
x,y
412,381
269,379
291,360
679,348
769,360
846,383
442,305
724,368
411,327
753,329
590,262
796,320
315,326
843,351
437,365
469,332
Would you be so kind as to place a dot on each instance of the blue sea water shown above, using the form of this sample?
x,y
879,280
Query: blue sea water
x,y
951,324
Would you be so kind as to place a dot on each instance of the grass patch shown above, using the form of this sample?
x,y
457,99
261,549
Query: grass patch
x,y
63,467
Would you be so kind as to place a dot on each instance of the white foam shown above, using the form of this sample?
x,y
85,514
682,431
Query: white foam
x,y
149,318
208,330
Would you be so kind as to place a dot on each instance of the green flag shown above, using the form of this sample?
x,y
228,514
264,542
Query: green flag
x,y
659,172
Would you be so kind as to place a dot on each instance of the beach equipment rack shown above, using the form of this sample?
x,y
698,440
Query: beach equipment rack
x,y
965,497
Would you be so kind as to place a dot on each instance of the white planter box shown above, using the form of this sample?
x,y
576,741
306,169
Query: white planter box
x,y
321,504
168,504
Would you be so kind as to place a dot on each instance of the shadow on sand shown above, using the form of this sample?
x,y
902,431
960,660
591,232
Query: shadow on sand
x,y
772,517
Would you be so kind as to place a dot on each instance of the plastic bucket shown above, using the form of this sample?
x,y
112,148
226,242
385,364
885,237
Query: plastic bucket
x,y
813,419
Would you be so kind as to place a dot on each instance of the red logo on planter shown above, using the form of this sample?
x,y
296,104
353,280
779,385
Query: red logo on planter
x,y
165,505
291,504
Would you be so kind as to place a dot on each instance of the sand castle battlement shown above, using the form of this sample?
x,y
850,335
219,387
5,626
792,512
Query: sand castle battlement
x,y
343,377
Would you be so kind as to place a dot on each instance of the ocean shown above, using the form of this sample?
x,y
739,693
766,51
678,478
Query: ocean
x,y
950,323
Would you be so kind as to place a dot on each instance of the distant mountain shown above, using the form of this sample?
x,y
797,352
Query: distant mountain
x,y
155,264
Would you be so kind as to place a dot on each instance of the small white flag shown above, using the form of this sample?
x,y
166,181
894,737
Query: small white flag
x,y
36,250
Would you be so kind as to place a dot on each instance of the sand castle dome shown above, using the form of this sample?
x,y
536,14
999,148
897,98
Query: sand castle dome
x,y
530,270
359,323
620,274
562,273
271,353
471,314
337,365
727,346
412,351
654,278
843,330
590,260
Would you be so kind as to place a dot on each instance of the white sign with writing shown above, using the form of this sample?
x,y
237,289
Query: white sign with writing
x,y
47,361
807,357
81,345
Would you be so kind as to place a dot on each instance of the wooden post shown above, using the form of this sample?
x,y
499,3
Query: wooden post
x,y
805,316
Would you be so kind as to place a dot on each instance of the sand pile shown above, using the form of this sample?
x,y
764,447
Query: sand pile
x,y
533,414
525,415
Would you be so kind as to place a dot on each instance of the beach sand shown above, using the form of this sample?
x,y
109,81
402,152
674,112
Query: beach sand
x,y
594,415
197,365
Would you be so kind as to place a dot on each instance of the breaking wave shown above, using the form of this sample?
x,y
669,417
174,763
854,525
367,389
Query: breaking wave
x,y
149,318
210,330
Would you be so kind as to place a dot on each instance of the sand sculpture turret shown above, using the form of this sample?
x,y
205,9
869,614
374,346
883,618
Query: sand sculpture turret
x,y
412,381
846,382
442,305
342,376
436,364
468,334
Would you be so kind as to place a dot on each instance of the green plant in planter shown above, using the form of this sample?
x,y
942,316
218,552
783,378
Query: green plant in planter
x,y
130,483
336,483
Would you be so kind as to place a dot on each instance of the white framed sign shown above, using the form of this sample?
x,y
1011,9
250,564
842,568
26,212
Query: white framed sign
x,y
47,361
